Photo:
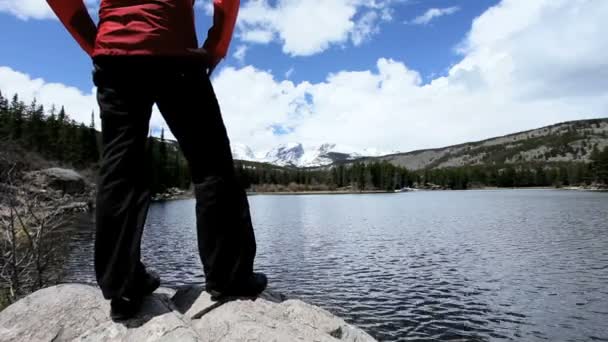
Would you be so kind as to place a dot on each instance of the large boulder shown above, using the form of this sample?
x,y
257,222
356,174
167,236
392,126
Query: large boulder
x,y
79,313
66,180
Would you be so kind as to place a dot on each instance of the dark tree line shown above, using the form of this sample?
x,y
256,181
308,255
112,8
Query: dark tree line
x,y
167,165
55,136
599,165
385,176
359,176
507,176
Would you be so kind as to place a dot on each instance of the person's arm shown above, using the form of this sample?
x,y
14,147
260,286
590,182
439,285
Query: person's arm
x,y
74,16
220,34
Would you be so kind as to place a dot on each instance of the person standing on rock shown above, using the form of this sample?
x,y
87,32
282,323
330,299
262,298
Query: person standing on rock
x,y
144,53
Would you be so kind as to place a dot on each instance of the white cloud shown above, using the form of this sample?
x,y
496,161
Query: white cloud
x,y
259,36
289,72
26,9
252,100
365,28
36,9
78,104
307,27
524,65
240,53
434,13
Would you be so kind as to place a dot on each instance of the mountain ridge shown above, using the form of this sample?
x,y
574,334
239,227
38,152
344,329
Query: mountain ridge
x,y
300,156
570,141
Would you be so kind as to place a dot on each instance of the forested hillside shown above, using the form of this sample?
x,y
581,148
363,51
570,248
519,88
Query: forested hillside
x,y
573,141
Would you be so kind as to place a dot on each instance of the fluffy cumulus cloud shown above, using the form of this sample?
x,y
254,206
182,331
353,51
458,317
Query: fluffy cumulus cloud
x,y
524,64
251,113
306,27
434,13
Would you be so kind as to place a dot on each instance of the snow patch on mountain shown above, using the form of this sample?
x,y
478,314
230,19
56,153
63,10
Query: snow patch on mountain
x,y
243,152
295,154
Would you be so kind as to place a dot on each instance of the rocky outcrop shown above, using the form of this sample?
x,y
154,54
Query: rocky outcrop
x,y
79,313
52,191
173,194
66,180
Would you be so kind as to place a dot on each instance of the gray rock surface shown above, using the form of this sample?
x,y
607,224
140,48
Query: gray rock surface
x,y
74,312
66,180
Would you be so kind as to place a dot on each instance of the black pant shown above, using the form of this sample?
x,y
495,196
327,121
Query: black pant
x,y
127,89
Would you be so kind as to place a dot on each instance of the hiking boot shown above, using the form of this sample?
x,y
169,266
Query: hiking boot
x,y
252,286
125,307
147,284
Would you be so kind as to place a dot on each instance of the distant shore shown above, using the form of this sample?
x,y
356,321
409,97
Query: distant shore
x,y
340,192
326,192
188,194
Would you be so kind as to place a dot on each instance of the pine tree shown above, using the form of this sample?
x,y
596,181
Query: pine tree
x,y
92,124
92,144
152,163
3,103
162,162
16,113
34,134
600,165
63,132
368,181
62,117
74,147
89,149
52,132
4,117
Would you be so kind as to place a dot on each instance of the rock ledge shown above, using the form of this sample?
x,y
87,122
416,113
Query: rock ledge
x,y
73,312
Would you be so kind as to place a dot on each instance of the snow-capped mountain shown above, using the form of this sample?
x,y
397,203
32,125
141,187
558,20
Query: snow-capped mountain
x,y
242,152
285,155
295,154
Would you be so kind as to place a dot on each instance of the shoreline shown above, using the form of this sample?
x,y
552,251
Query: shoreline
x,y
423,190
327,192
189,195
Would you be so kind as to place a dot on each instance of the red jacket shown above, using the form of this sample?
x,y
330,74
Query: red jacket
x,y
144,27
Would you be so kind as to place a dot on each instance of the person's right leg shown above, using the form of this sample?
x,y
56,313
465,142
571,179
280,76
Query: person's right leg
x,y
123,190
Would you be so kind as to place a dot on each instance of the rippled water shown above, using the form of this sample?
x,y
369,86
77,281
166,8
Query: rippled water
x,y
524,265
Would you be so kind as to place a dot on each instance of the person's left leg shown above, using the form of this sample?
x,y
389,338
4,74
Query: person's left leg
x,y
225,233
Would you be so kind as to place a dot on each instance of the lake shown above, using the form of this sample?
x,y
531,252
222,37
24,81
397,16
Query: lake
x,y
523,265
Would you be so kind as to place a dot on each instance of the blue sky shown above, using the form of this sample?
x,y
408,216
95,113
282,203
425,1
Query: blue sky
x,y
429,49
387,74
42,48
